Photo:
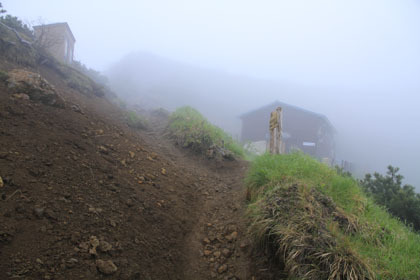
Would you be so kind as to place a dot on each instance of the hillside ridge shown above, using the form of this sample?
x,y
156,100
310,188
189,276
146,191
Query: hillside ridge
x,y
85,195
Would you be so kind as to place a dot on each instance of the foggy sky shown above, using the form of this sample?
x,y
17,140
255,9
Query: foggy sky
x,y
357,62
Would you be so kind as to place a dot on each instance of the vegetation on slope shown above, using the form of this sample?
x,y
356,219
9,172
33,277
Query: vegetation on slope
x,y
191,129
400,200
135,120
19,45
322,225
17,24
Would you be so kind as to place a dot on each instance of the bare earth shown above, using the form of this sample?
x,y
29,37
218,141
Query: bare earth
x,y
86,197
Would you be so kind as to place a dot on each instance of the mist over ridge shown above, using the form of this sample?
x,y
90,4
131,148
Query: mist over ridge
x,y
357,62
210,139
362,119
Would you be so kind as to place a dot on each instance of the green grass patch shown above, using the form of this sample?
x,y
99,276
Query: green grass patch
x,y
191,129
3,76
135,120
323,226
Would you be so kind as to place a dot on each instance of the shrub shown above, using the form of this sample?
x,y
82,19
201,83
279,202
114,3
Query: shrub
x,y
16,24
2,11
13,49
136,121
3,76
401,201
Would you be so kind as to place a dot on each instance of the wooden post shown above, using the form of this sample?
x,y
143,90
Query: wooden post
x,y
273,124
276,123
279,129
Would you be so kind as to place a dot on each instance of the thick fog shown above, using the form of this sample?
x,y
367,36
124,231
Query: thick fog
x,y
356,62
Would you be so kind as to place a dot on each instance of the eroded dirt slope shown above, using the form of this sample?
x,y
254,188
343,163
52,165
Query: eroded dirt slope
x,y
82,189
86,197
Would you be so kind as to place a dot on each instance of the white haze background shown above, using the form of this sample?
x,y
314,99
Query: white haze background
x,y
357,62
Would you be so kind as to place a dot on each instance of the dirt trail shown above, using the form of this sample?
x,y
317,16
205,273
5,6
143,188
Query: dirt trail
x,y
73,179
217,246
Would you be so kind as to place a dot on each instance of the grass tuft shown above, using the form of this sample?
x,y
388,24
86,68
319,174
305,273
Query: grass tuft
x,y
322,225
3,76
134,120
190,129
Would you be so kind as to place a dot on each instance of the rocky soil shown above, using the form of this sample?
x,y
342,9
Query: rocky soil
x,y
83,196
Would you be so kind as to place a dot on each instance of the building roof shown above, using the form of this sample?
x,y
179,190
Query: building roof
x,y
65,24
277,103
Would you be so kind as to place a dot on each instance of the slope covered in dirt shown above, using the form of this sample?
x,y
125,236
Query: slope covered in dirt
x,y
84,196
77,176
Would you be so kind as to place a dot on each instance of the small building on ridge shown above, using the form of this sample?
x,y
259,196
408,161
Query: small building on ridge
x,y
57,39
302,130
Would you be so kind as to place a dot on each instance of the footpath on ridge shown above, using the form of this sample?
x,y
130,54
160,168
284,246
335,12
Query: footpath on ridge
x,y
85,196
218,245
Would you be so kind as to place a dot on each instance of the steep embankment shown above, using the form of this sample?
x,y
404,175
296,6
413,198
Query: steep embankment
x,y
322,226
76,176
83,195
